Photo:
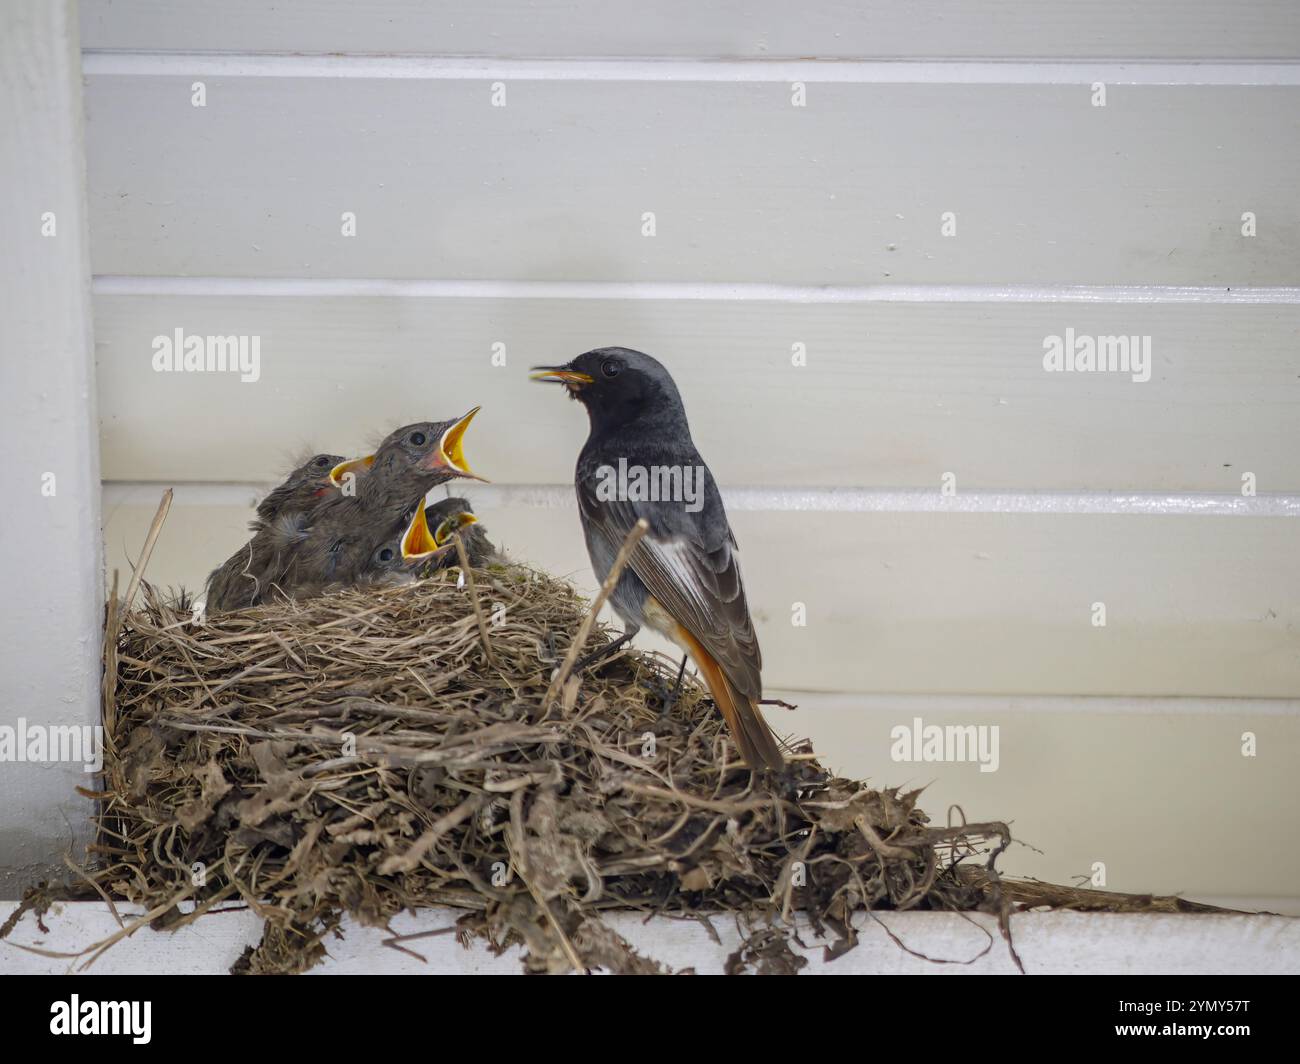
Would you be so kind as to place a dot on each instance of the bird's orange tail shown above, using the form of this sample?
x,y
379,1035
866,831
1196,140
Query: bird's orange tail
x,y
758,746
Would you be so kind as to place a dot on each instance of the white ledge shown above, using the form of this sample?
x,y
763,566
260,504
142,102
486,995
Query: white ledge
x,y
678,291
796,498
1048,943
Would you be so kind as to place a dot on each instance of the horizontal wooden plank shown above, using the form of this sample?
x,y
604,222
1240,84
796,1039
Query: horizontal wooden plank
x,y
1044,187
1047,943
757,28
892,395
948,72
913,602
1078,781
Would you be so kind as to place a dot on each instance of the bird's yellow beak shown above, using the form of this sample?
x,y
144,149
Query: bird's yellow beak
x,y
573,379
417,541
353,466
450,454
448,528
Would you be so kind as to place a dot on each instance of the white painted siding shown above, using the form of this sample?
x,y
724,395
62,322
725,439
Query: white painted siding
x,y
894,394
776,226
931,602
1161,29
850,189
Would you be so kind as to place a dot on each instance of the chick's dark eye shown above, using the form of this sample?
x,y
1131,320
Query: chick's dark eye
x,y
610,367
386,555
417,439
322,462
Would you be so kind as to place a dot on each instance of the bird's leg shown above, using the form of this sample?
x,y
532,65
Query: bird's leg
x,y
670,699
552,650
600,655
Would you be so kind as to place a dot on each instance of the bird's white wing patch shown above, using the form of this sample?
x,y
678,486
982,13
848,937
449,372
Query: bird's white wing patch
x,y
671,563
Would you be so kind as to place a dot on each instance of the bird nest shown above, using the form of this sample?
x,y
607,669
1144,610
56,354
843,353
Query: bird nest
x,y
373,751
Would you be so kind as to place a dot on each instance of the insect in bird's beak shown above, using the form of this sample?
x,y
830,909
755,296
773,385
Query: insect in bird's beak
x,y
450,452
573,379
417,541
353,466
449,527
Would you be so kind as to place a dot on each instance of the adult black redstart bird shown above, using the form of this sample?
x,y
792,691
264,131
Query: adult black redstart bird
x,y
683,579
241,579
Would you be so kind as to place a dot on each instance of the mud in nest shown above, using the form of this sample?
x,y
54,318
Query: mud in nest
x,y
368,752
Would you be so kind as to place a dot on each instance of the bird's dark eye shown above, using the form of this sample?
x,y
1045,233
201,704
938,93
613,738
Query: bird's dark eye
x,y
610,367
386,555
322,461
417,439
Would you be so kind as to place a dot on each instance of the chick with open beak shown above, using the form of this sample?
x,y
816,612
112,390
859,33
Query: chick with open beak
x,y
420,547
388,557
409,461
417,546
403,559
441,523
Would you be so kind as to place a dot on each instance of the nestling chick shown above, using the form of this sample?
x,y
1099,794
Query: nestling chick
x,y
396,556
301,490
451,515
281,517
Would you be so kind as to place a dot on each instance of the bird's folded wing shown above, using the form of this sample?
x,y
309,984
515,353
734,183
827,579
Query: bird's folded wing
x,y
691,568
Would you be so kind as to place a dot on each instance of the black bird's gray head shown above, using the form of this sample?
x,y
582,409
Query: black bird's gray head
x,y
616,385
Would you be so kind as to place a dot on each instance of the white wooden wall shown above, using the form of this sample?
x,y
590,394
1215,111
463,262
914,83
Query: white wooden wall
x,y
778,226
